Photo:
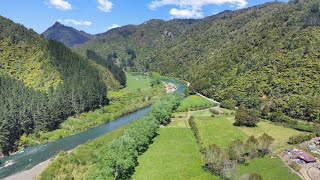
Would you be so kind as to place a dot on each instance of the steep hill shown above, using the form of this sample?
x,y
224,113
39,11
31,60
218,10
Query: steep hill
x,y
67,35
265,56
142,40
42,82
265,53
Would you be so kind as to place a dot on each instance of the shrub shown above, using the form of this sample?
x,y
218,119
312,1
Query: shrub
x,y
255,176
194,128
214,111
295,166
300,138
228,104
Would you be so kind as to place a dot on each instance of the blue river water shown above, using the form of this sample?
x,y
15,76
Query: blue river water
x,y
32,156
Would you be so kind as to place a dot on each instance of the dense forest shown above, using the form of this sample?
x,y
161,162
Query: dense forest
x,y
144,40
31,105
109,63
265,57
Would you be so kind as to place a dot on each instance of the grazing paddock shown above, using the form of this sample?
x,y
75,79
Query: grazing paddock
x,y
269,168
194,102
173,155
220,130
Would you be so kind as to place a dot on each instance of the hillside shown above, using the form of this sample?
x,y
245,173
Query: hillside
x,y
42,82
140,40
67,35
263,55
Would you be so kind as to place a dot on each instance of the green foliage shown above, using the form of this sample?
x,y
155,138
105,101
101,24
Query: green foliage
x,y
135,43
121,103
278,60
228,104
81,159
246,117
120,157
108,63
224,163
297,139
42,83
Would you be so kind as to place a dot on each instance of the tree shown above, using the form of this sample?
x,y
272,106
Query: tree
x,y
246,117
265,142
236,151
251,148
228,104
121,156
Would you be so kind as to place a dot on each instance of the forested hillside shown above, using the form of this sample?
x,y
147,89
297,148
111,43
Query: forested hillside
x,y
67,35
133,42
265,57
42,83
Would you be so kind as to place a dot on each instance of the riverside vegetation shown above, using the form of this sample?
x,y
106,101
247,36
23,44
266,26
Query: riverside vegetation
x,y
122,102
118,158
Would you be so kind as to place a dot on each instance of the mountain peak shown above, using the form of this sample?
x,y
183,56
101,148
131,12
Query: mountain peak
x,y
67,35
57,24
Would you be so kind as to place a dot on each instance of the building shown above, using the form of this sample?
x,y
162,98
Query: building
x,y
307,158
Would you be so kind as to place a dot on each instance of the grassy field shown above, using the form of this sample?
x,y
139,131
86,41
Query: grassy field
x,y
173,155
219,130
194,102
269,168
135,82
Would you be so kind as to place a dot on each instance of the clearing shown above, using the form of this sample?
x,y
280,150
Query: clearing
x,y
194,102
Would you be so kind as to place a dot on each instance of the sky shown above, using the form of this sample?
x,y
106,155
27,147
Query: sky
x,y
98,16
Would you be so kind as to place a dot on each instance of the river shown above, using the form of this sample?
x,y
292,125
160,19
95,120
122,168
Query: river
x,y
32,156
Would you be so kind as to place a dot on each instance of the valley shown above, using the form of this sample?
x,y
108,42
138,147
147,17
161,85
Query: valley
x,y
212,90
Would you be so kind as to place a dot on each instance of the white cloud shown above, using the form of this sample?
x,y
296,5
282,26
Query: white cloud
x,y
105,5
75,22
60,4
113,26
185,13
193,8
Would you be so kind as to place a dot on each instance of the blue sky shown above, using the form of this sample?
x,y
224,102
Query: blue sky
x,y
97,16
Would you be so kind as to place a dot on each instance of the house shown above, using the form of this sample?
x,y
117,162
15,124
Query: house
x,y
307,158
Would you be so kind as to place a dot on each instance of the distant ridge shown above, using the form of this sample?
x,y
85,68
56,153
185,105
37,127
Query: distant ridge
x,y
67,35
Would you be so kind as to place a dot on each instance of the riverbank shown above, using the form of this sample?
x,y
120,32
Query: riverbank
x,y
30,174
